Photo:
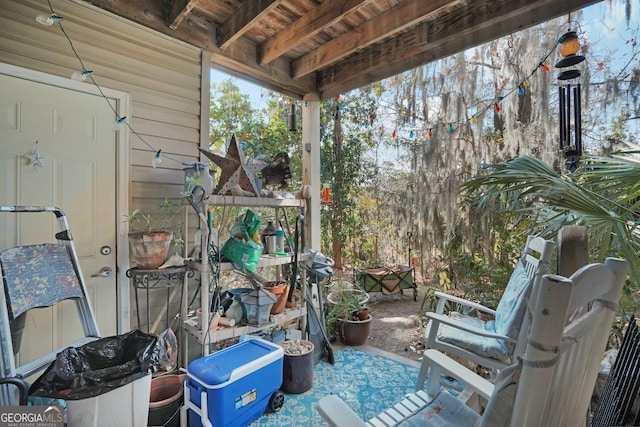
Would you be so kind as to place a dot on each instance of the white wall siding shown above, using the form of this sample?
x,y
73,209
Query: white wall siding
x,y
162,77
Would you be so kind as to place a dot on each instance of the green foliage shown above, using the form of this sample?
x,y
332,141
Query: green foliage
x,y
344,302
164,218
346,138
263,133
602,194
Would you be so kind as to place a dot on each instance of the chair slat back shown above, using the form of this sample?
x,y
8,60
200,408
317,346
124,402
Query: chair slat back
x,y
561,362
537,259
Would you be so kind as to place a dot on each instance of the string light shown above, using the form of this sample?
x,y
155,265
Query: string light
x,y
520,89
48,20
81,76
119,123
157,159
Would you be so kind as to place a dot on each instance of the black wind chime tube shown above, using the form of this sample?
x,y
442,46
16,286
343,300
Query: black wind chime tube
x,y
561,109
576,119
567,117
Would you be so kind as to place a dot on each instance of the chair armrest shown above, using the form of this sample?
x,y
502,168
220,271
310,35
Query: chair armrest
x,y
450,367
464,302
337,413
439,318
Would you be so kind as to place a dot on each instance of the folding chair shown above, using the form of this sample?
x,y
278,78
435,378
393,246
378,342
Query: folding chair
x,y
35,276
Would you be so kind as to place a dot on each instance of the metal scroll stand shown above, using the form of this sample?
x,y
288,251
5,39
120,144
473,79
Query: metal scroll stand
x,y
167,278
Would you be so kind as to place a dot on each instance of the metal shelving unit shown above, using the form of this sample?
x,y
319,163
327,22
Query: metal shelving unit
x,y
203,268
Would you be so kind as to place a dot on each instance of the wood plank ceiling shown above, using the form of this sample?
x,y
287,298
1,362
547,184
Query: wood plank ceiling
x,y
331,46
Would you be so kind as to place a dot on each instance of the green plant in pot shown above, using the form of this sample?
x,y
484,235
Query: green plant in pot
x,y
151,234
348,315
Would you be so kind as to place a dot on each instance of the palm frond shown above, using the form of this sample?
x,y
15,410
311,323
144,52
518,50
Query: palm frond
x,y
603,194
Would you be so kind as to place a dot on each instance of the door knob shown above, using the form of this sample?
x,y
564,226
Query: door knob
x,y
104,272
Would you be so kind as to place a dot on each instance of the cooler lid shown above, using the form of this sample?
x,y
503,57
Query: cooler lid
x,y
217,368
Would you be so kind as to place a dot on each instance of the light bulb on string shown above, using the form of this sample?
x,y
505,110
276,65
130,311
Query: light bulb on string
x,y
544,67
119,123
157,159
525,84
48,20
450,128
80,76
497,107
474,120
521,90
393,134
411,134
430,133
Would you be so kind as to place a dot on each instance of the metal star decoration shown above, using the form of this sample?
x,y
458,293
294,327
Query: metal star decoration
x,y
235,169
35,159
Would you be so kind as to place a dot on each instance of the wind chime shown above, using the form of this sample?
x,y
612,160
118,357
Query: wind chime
x,y
569,97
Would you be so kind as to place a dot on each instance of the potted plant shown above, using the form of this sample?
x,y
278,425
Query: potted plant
x,y
152,234
348,315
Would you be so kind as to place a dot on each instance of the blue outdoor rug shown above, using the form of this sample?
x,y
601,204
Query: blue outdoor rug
x,y
367,382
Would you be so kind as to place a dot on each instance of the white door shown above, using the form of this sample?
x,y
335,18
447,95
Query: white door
x,y
58,148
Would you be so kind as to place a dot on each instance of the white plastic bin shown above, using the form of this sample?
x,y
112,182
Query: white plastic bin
x,y
125,406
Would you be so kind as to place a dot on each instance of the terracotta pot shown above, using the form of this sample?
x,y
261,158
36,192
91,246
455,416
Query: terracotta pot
x,y
165,400
363,314
354,332
149,250
281,292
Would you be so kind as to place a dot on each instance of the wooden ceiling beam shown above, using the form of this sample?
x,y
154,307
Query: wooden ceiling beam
x,y
239,59
485,21
241,20
406,15
305,28
179,11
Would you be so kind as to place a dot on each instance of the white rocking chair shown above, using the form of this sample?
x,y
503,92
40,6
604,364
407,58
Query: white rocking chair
x,y
497,343
551,385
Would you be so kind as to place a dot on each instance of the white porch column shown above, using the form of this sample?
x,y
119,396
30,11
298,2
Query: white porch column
x,y
311,167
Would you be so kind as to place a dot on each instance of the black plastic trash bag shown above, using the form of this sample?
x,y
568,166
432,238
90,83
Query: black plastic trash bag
x,y
98,367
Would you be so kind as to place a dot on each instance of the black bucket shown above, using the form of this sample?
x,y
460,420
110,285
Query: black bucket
x,y
297,372
165,400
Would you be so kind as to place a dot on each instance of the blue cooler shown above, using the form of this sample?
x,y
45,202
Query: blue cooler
x,y
234,386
